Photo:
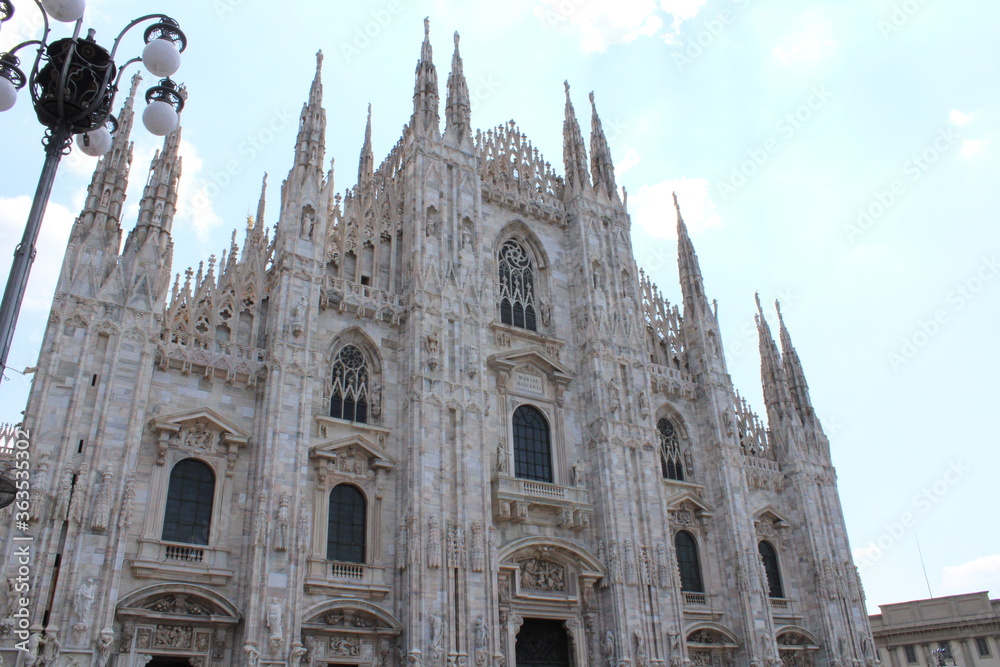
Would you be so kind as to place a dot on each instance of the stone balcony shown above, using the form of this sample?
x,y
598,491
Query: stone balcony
x,y
540,503
336,577
172,561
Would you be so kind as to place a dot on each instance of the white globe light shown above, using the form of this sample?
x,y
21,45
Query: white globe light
x,y
161,57
160,118
94,143
8,94
66,11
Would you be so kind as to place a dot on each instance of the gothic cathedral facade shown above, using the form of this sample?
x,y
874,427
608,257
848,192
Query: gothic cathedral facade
x,y
439,420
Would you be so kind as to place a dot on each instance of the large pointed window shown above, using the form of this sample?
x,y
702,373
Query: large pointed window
x,y
517,286
687,562
671,463
345,536
349,395
190,495
532,445
770,558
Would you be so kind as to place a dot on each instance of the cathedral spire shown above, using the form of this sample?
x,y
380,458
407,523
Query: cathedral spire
x,y
601,166
159,197
310,143
574,153
458,121
97,232
692,284
366,164
259,225
772,373
794,374
426,117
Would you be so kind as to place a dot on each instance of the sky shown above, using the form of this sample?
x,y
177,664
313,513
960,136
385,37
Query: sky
x,y
839,156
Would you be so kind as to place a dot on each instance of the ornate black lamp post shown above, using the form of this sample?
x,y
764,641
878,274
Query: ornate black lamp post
x,y
72,85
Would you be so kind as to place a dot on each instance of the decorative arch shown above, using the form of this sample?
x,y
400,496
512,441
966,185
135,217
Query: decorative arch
x,y
587,561
518,231
177,620
718,632
796,632
213,600
348,631
544,577
384,619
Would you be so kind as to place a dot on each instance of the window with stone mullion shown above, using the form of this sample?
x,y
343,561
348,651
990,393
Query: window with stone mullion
x,y
671,461
349,395
517,287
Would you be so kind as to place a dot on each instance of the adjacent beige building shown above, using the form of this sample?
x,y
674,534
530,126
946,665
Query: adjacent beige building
x,y
961,630
438,419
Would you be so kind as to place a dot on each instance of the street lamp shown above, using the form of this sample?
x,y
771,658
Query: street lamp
x,y
72,85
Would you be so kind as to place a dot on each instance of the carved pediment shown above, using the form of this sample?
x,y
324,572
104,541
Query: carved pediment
x,y
686,508
767,521
201,420
532,359
354,455
202,430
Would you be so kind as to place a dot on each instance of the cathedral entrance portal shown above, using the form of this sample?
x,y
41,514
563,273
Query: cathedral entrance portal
x,y
542,643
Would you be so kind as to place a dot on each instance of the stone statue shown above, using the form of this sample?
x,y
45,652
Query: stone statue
x,y
35,645
437,626
84,598
274,618
297,655
252,655
577,470
281,526
105,640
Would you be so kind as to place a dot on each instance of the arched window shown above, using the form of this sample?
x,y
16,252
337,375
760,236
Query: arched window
x,y
687,562
532,448
517,287
345,535
349,396
770,558
671,463
190,495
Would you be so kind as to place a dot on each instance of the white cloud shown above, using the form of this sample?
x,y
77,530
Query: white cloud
x,y
681,10
631,159
652,207
959,118
51,246
981,574
805,46
599,25
971,147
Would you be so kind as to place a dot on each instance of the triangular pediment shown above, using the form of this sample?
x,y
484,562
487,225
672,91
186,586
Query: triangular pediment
x,y
532,357
770,514
207,416
378,457
690,502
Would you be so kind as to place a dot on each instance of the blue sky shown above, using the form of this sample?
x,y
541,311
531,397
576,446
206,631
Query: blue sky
x,y
840,156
